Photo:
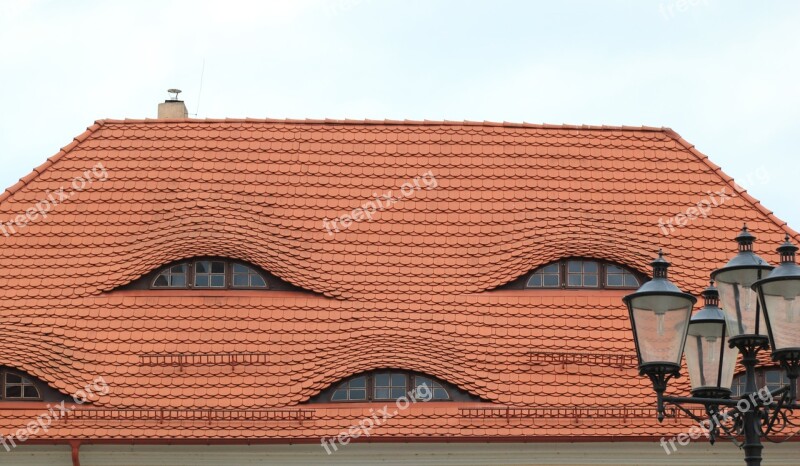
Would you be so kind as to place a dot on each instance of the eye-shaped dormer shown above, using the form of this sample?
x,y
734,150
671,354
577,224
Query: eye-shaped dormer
x,y
211,273
576,273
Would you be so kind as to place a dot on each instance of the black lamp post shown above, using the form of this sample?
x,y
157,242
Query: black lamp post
x,y
663,327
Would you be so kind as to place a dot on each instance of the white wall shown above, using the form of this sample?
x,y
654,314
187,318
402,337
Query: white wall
x,y
418,454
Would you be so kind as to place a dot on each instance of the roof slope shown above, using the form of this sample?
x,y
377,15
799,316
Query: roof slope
x,y
407,289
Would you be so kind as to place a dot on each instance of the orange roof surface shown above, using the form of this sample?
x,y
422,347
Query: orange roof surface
x,y
414,288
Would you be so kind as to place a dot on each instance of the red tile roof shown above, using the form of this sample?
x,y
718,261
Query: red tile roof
x,y
410,289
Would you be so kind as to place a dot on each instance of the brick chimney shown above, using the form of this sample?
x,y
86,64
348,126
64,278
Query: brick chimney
x,y
172,108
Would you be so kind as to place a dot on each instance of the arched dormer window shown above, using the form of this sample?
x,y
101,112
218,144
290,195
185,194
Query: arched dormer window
x,y
773,378
16,386
210,273
391,384
579,273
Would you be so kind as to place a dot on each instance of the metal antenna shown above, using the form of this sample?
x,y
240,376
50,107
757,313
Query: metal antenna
x,y
200,91
174,91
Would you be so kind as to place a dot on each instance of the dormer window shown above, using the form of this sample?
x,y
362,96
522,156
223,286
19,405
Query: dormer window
x,y
772,378
391,384
247,277
172,277
209,274
579,273
18,387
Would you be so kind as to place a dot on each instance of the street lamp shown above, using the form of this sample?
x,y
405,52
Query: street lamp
x,y
739,300
663,327
778,293
659,314
709,357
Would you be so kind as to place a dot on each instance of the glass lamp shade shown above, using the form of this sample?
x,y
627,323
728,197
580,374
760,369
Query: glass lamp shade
x,y
780,298
659,314
711,361
734,283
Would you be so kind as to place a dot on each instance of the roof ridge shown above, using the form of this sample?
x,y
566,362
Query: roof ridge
x,y
727,179
25,180
388,122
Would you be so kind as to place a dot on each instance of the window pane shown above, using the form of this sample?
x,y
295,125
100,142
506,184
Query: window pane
x,y
240,280
339,395
550,280
590,267
614,280
398,392
217,267
440,394
574,280
13,391
574,266
358,394
218,281
201,280
613,269
359,382
590,280
31,392
13,378
535,281
381,393
382,380
180,268
257,282
631,281
161,280
201,267
773,377
399,380
178,281
239,268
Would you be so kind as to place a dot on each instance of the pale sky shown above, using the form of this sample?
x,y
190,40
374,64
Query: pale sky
x,y
723,74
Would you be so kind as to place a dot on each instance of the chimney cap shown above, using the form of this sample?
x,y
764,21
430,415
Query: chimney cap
x,y
174,91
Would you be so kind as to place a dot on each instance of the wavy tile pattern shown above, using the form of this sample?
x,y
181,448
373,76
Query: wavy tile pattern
x,y
413,288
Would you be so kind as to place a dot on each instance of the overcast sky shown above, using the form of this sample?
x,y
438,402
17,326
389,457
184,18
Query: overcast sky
x,y
723,74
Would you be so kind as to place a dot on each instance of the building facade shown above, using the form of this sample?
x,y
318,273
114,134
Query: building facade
x,y
352,292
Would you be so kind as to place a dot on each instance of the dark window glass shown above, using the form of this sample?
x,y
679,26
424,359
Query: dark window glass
x,y
576,273
246,277
352,390
773,379
257,281
631,281
618,277
582,274
390,385
209,274
173,277
385,385
547,276
427,387
19,387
